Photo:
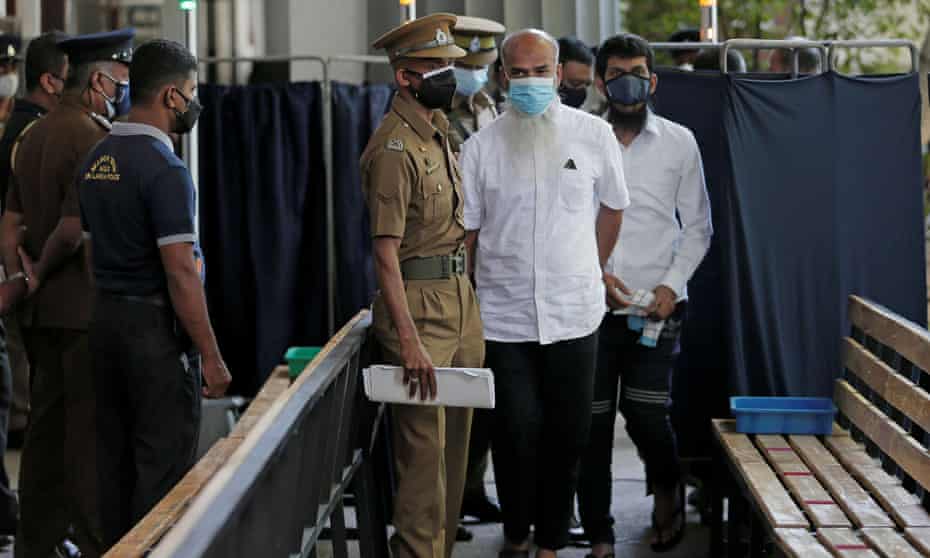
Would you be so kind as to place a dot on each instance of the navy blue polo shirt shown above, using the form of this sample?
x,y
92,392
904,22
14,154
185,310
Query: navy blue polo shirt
x,y
136,196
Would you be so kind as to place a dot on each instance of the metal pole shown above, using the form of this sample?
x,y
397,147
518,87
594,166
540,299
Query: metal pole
x,y
190,143
709,21
330,201
408,10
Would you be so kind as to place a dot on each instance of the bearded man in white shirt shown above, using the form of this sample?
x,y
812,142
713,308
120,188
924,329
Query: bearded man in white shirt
x,y
533,181
666,233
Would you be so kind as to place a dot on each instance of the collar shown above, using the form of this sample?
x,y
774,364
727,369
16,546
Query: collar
x,y
25,105
652,123
139,129
406,110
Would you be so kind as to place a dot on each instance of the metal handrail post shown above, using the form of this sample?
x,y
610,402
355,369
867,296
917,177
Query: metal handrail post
x,y
330,202
756,44
879,43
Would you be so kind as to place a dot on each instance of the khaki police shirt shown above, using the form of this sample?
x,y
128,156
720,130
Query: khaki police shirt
x,y
468,115
43,189
412,184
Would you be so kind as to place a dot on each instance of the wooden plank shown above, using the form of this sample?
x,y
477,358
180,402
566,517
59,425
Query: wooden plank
x,y
903,506
906,338
891,438
800,543
802,484
889,544
145,534
920,538
771,496
898,391
738,446
275,386
845,491
845,543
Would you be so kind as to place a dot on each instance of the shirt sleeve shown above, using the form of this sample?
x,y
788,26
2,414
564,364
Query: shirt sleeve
x,y
694,213
611,184
472,185
388,180
169,200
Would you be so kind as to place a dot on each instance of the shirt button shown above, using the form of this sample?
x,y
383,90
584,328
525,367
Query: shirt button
x,y
439,188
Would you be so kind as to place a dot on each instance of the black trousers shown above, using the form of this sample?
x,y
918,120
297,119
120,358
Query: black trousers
x,y
148,409
645,376
9,505
541,423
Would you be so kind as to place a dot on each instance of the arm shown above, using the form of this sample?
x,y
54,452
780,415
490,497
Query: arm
x,y
62,244
11,233
471,247
190,306
608,230
614,198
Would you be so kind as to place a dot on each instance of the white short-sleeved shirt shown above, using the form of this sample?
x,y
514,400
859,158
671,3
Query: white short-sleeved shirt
x,y
533,197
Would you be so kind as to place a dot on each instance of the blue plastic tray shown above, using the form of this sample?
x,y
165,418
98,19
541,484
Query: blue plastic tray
x,y
783,415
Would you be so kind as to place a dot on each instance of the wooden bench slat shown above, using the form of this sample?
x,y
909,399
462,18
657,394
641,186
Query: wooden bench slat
x,y
806,489
768,492
894,388
920,538
800,543
889,544
845,543
846,492
891,438
906,338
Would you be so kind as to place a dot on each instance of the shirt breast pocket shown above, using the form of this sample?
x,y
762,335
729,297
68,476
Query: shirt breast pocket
x,y
436,197
576,189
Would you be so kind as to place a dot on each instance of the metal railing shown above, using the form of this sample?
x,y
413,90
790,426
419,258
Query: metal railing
x,y
285,483
826,48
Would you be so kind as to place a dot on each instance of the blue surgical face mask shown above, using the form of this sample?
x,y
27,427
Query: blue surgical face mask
x,y
119,104
469,82
628,89
532,95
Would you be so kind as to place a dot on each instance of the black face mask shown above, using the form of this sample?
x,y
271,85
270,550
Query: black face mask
x,y
186,120
573,97
437,88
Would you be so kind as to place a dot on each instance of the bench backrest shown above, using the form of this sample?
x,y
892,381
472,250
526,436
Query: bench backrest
x,y
884,397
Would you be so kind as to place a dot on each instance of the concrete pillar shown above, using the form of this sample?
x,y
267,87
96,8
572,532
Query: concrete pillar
x,y
558,17
426,7
29,13
490,9
519,14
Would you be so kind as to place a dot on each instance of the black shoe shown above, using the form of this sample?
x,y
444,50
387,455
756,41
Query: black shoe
x,y
67,549
15,439
463,535
482,509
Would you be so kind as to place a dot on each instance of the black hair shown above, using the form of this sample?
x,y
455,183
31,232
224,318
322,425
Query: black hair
x,y
158,63
43,56
808,59
709,59
573,50
625,45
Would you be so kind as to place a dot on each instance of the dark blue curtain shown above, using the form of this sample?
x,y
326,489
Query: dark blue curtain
x,y
262,223
357,112
815,188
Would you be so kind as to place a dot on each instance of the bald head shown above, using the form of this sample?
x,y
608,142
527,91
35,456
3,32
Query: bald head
x,y
529,43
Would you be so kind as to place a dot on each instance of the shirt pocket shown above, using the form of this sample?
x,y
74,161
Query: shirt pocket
x,y
576,190
436,196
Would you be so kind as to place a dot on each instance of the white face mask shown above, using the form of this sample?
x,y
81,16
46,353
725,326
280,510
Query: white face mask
x,y
9,84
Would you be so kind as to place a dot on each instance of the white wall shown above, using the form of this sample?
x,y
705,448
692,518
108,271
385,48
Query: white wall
x,y
324,27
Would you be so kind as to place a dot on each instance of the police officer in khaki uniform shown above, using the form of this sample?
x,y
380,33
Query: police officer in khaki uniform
x,y
426,314
472,107
58,470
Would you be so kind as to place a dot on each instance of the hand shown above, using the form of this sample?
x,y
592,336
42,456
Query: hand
x,y
216,376
614,284
29,268
418,369
10,294
664,304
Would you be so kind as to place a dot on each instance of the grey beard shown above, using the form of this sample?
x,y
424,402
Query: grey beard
x,y
628,121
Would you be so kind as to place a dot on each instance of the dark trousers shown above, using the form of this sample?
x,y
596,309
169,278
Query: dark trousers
x,y
645,376
9,506
148,409
541,423
57,482
482,424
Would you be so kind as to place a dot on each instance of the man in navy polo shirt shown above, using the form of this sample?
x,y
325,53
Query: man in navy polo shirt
x,y
137,209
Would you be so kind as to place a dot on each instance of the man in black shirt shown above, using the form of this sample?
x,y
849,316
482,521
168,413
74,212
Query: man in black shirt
x,y
138,213
46,69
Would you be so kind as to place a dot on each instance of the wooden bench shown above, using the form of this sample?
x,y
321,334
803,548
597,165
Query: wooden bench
x,y
863,491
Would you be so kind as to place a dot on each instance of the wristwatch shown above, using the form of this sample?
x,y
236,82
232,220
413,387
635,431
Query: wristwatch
x,y
18,275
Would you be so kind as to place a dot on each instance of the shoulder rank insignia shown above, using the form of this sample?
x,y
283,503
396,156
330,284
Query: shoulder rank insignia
x,y
395,144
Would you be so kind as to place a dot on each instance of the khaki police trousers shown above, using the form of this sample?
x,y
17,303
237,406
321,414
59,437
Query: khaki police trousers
x,y
431,443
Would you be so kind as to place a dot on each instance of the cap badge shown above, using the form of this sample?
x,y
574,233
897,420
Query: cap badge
x,y
475,45
441,37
